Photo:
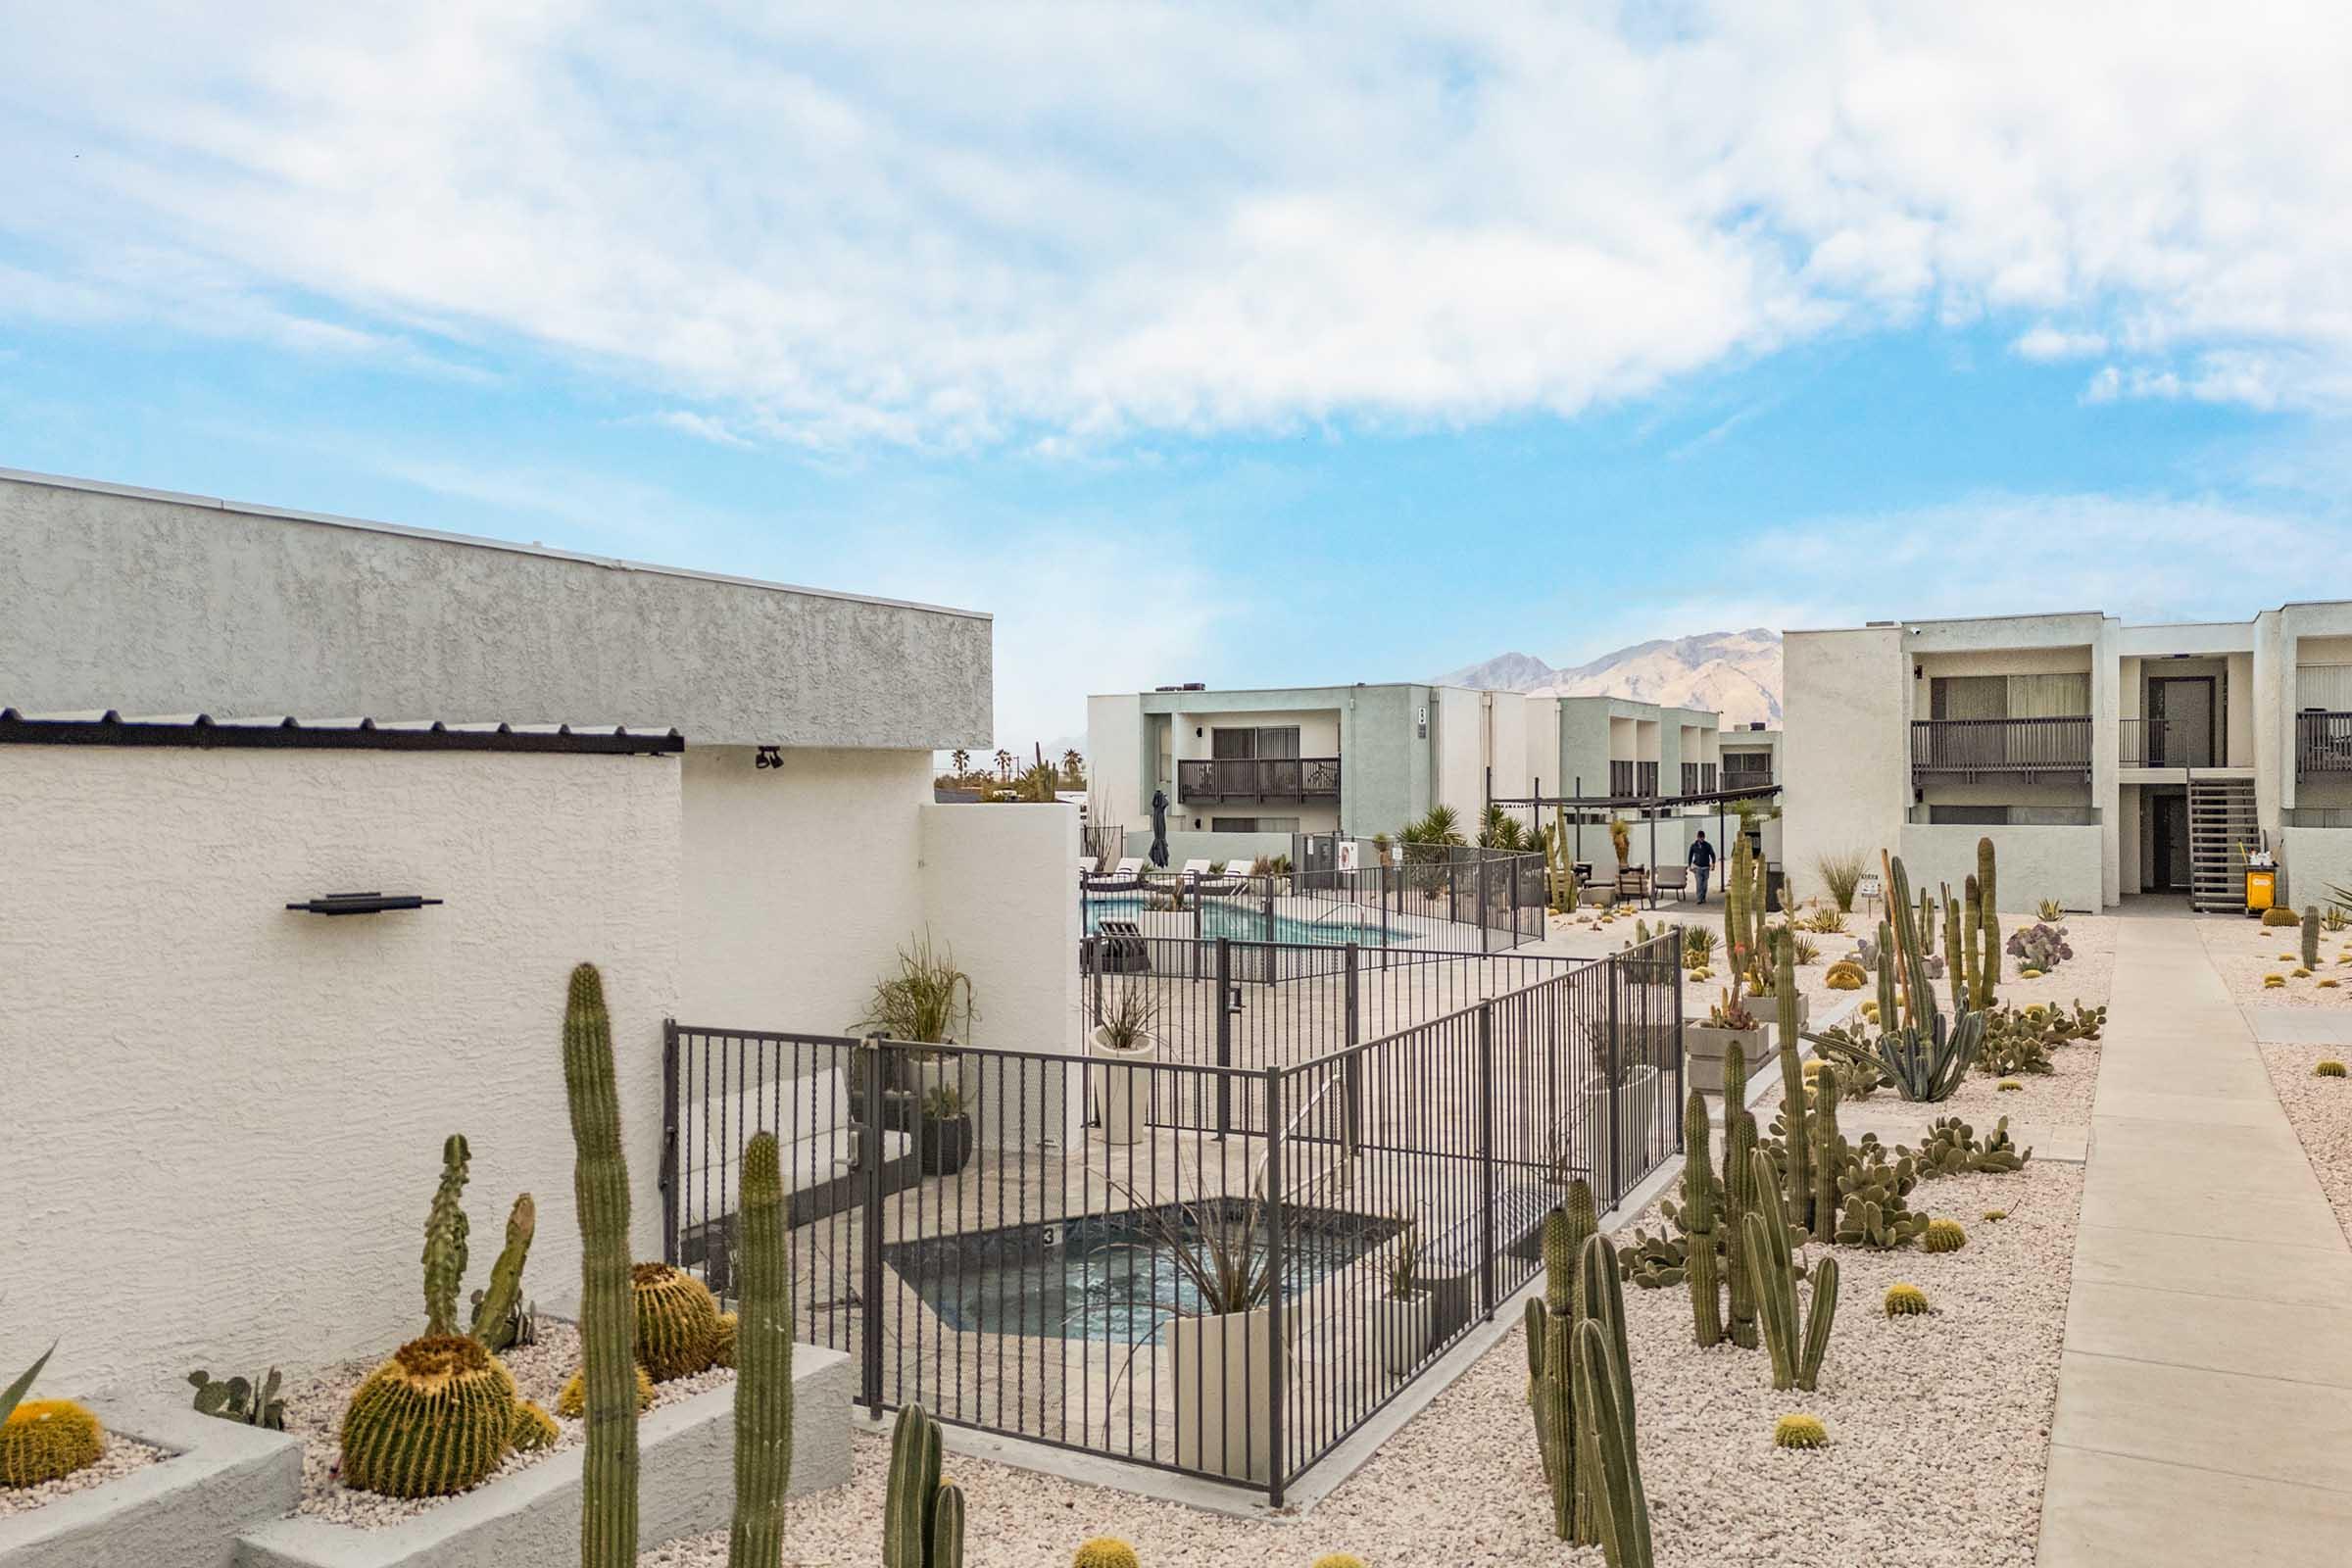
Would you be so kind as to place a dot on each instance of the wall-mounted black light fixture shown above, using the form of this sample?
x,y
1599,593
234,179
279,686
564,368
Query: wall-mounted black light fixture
x,y
362,904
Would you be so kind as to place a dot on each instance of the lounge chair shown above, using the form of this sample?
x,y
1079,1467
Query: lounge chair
x,y
1632,884
1127,878
1674,879
1087,864
1203,880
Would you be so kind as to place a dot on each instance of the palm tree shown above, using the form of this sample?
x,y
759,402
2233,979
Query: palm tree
x,y
964,763
1003,765
1073,769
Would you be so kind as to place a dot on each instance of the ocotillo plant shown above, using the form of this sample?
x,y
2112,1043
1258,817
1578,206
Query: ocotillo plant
x,y
608,1317
2311,936
1799,1190
1738,1192
1796,1349
495,1309
445,1241
763,1365
1611,1477
1550,1357
1988,972
1699,1225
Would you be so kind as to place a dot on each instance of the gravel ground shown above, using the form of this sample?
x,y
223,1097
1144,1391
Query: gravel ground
x,y
2321,1111
315,1412
1940,1433
122,1456
2245,951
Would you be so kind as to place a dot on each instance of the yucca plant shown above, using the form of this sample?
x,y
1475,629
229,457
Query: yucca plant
x,y
928,1000
1498,829
1842,875
1126,1019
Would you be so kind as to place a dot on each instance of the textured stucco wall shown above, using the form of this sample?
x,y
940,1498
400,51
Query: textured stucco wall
x,y
2066,863
799,883
997,891
2314,859
224,1119
1847,745
1120,765
173,606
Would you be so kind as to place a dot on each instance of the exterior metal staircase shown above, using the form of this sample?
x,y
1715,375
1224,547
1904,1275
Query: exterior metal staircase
x,y
2221,824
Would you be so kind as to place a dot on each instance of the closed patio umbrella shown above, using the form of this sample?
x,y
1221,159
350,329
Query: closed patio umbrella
x,y
1159,828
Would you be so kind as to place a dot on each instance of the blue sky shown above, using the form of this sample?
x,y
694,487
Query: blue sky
x,y
1200,343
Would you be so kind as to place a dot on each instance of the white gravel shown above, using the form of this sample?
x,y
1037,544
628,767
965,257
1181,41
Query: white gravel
x,y
2243,951
1940,1433
315,1409
122,1456
2321,1113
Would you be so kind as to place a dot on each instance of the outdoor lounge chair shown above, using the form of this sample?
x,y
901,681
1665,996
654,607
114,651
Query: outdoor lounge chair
x,y
1632,882
1087,864
1127,878
1674,879
1226,881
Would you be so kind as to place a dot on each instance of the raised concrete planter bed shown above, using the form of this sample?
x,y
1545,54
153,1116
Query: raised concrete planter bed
x,y
686,1486
1705,1045
182,1514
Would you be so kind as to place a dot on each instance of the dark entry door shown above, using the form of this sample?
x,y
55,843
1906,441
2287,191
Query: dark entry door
x,y
2171,833
2184,707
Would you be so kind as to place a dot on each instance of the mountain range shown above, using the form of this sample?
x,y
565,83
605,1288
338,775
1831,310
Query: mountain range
x,y
1737,674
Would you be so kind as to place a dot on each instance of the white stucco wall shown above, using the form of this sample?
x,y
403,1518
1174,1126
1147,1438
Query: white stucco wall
x,y
799,883
224,1119
1846,752
1459,739
2032,863
2313,861
997,891
1118,770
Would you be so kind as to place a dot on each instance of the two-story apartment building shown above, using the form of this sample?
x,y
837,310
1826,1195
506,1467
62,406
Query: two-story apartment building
x,y
2103,759
1244,771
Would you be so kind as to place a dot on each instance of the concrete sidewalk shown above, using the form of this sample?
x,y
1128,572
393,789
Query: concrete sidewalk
x,y
2205,1395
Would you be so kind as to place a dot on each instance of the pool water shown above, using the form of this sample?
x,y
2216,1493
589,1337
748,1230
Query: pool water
x,y
1106,1277
1222,918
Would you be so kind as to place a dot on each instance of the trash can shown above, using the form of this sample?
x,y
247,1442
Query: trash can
x,y
2262,888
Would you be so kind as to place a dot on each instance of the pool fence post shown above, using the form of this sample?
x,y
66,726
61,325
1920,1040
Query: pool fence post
x,y
1224,1035
869,1154
1486,1158
1275,1358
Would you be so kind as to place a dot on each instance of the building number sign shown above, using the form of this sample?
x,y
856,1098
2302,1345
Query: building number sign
x,y
770,757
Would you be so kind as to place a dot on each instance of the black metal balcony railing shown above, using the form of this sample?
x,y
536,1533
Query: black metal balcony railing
x,y
2014,747
2323,743
1746,769
1265,778
2164,743
1698,778
1632,778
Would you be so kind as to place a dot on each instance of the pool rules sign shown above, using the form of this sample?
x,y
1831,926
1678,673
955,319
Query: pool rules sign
x,y
1346,854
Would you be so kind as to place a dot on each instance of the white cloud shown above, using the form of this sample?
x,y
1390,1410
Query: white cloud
x,y
946,223
2047,342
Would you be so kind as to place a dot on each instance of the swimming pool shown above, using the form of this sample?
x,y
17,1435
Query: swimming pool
x,y
1111,1277
1244,922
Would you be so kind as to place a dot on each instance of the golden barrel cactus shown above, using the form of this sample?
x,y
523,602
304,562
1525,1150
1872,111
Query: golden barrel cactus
x,y
1106,1551
677,1321
1800,1431
573,1403
534,1429
434,1420
48,1439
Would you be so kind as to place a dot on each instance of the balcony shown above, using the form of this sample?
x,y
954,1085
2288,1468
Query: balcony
x,y
1632,778
2023,748
1698,778
1745,770
2323,743
2165,742
1288,780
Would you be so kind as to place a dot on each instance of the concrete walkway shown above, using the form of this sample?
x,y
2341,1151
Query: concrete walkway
x,y
2205,1396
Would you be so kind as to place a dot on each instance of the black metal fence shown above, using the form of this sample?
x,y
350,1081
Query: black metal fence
x,y
1083,1252
2005,745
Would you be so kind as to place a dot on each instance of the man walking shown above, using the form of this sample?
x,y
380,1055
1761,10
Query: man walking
x,y
1702,862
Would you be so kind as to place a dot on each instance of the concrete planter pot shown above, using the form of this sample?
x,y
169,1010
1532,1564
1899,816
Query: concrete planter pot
x,y
1609,1149
1705,1045
1219,1372
531,1519
1402,1327
184,1512
1122,1094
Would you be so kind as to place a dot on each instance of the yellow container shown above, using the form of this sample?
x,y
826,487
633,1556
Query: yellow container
x,y
2260,888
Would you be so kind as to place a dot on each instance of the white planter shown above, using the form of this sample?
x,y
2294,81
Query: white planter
x,y
1705,1045
960,1070
1219,1374
1402,1330
1122,1094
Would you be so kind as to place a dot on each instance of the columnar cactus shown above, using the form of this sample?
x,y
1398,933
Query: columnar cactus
x,y
1699,1218
1799,1191
922,1520
1884,954
763,1366
1611,1479
433,1420
1971,912
1988,972
1796,1347
1955,955
1825,1154
1736,1190
2311,936
601,1187
445,1230
1550,1357
495,1310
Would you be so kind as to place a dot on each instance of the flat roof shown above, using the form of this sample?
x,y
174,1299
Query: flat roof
x,y
329,520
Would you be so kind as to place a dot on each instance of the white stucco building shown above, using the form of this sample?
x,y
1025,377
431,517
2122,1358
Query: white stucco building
x,y
225,1114
1244,769
2103,759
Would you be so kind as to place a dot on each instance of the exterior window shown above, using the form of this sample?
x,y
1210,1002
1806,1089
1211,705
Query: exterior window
x,y
1254,824
1969,815
1249,745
